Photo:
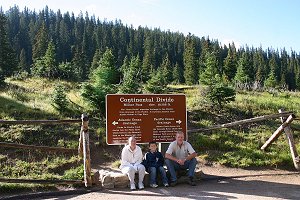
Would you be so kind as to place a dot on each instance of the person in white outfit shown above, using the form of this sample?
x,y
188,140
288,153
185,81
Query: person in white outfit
x,y
131,160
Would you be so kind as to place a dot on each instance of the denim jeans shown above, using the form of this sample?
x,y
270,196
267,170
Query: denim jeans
x,y
153,173
174,166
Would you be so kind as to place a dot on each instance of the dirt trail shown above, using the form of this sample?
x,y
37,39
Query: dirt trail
x,y
218,183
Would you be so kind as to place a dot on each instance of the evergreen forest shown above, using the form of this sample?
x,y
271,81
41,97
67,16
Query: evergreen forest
x,y
62,46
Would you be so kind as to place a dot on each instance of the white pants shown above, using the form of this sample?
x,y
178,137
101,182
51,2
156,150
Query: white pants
x,y
131,170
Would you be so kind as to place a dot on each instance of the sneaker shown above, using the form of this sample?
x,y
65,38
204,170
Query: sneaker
x,y
191,181
166,184
153,185
141,186
173,183
132,186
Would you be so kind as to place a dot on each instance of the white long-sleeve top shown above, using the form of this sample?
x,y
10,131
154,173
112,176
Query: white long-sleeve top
x,y
131,158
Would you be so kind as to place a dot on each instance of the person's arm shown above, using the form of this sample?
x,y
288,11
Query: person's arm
x,y
146,160
192,152
124,158
191,156
139,155
170,157
161,159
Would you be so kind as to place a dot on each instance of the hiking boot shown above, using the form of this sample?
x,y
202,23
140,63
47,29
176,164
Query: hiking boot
x,y
173,183
153,185
191,181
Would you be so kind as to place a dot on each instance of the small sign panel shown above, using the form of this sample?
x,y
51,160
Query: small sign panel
x,y
150,117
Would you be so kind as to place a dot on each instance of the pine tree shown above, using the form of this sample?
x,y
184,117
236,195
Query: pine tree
x,y
96,60
217,91
102,82
131,77
156,84
67,72
291,81
259,65
271,82
59,99
79,63
230,63
190,61
241,77
8,61
167,69
40,43
65,37
220,93
211,70
23,66
148,59
46,66
177,74
283,67
297,73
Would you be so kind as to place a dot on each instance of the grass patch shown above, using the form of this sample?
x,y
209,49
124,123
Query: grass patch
x,y
237,146
240,146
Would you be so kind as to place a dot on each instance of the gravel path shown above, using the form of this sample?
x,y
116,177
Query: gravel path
x,y
217,183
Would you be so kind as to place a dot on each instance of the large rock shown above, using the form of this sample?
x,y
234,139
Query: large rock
x,y
120,180
115,178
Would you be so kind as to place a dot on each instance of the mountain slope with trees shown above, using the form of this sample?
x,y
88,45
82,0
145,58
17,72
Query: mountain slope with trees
x,y
60,45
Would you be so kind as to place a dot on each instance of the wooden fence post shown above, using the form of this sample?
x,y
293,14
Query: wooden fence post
x,y
289,134
80,145
276,134
84,134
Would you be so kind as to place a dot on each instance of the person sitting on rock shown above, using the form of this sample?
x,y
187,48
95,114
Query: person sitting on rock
x,y
131,159
181,155
154,161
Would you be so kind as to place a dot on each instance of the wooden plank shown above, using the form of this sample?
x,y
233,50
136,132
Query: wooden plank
x,y
65,121
245,121
289,134
42,148
40,181
86,151
276,134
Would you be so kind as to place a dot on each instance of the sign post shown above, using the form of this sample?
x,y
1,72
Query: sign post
x,y
150,117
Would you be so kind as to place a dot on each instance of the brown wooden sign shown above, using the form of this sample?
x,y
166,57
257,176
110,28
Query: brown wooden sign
x,y
150,117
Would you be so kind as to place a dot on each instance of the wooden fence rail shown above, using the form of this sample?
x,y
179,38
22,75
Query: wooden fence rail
x,y
67,121
245,121
84,150
38,181
42,148
277,133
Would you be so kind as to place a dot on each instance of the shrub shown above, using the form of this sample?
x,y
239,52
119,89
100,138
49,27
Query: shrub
x,y
59,98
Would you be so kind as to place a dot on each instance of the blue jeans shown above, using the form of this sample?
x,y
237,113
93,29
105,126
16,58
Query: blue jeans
x,y
153,170
174,166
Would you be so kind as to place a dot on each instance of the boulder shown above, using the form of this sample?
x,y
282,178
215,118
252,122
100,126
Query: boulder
x,y
116,179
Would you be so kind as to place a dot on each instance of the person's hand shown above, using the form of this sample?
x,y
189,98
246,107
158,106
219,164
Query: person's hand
x,y
180,162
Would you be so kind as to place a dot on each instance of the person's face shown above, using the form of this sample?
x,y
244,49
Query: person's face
x,y
179,138
152,147
132,142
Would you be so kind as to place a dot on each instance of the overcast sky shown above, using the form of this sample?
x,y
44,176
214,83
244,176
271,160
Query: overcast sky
x,y
266,23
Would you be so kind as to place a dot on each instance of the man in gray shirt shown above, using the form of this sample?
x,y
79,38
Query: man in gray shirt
x,y
181,155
